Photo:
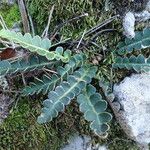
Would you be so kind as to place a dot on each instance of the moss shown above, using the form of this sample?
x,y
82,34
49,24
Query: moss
x,y
20,131
66,10
10,14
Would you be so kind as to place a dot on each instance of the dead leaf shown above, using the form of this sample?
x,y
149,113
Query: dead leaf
x,y
8,53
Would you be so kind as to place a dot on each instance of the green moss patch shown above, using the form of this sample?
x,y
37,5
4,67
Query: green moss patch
x,y
10,14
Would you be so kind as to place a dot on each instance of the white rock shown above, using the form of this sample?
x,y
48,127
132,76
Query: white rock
x,y
128,25
133,93
82,143
77,143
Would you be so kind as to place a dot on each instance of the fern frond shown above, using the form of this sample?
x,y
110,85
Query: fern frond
x,y
35,44
93,107
23,65
65,92
141,41
139,63
44,85
76,61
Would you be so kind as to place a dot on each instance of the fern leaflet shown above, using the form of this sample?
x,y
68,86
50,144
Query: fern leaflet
x,y
43,85
139,63
93,107
36,44
141,40
46,83
23,65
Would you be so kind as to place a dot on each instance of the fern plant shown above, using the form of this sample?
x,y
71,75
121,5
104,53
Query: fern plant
x,y
73,75
71,80
139,63
24,65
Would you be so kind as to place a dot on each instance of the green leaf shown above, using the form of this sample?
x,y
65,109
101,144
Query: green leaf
x,y
141,41
139,63
65,92
23,65
44,85
93,107
33,44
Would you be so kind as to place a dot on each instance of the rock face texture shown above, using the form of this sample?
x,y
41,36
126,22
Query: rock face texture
x,y
133,95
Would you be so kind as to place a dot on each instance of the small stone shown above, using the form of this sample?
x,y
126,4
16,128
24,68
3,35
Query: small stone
x,y
82,143
128,25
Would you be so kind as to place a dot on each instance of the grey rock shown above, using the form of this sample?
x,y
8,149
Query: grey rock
x,y
128,25
133,94
142,16
77,143
16,27
82,143
8,2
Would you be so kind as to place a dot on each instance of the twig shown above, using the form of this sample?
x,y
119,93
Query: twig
x,y
61,42
94,29
30,22
23,79
100,32
3,24
45,32
51,71
24,16
81,39
5,43
32,26
10,91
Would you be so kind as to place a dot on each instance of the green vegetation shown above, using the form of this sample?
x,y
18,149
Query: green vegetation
x,y
10,14
21,131
66,77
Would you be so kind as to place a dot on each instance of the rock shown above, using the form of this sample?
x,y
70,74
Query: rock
x,y
5,100
128,25
133,94
82,143
8,2
142,16
16,27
